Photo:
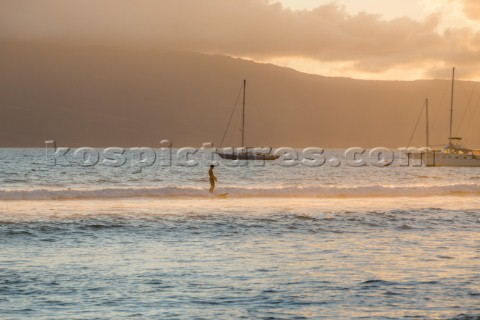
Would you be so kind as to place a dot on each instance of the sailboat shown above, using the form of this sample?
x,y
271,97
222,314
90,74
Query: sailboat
x,y
453,154
246,153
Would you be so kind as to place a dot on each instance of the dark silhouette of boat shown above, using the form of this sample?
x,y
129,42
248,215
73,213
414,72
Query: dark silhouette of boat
x,y
247,153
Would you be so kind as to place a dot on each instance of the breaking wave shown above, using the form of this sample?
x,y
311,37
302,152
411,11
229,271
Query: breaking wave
x,y
243,192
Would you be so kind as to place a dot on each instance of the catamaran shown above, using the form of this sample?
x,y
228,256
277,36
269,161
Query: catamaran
x,y
247,153
453,154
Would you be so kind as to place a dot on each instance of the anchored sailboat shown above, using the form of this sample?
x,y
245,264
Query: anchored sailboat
x,y
453,154
246,153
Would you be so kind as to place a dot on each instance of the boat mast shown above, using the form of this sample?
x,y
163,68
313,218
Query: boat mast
x,y
451,107
426,125
243,113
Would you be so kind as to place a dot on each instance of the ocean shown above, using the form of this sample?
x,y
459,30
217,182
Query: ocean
x,y
287,242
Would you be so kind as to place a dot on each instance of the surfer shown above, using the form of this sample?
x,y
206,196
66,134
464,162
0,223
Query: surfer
x,y
212,178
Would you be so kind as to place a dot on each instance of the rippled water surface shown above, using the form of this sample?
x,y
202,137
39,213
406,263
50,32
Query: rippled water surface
x,y
325,243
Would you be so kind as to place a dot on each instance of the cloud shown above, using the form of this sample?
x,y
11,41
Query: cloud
x,y
471,8
245,28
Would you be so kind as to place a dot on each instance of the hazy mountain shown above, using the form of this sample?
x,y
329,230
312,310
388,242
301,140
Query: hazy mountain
x,y
107,96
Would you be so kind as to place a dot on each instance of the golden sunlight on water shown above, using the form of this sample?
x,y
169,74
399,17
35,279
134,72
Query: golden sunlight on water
x,y
246,206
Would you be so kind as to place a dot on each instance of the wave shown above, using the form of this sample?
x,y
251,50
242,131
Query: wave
x,y
243,192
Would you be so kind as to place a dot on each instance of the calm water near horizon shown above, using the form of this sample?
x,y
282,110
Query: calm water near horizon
x,y
287,243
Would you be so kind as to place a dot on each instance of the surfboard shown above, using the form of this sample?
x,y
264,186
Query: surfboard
x,y
221,195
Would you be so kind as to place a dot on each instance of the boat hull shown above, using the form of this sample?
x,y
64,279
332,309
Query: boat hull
x,y
248,156
442,159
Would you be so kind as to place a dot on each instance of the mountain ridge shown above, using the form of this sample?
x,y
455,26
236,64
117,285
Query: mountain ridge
x,y
120,96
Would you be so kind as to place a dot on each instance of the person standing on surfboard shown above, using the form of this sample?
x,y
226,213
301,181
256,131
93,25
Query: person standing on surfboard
x,y
212,178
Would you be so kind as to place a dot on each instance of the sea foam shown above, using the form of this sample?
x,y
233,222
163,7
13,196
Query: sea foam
x,y
242,192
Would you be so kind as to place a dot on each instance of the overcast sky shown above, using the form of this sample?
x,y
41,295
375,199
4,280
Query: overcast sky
x,y
369,39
